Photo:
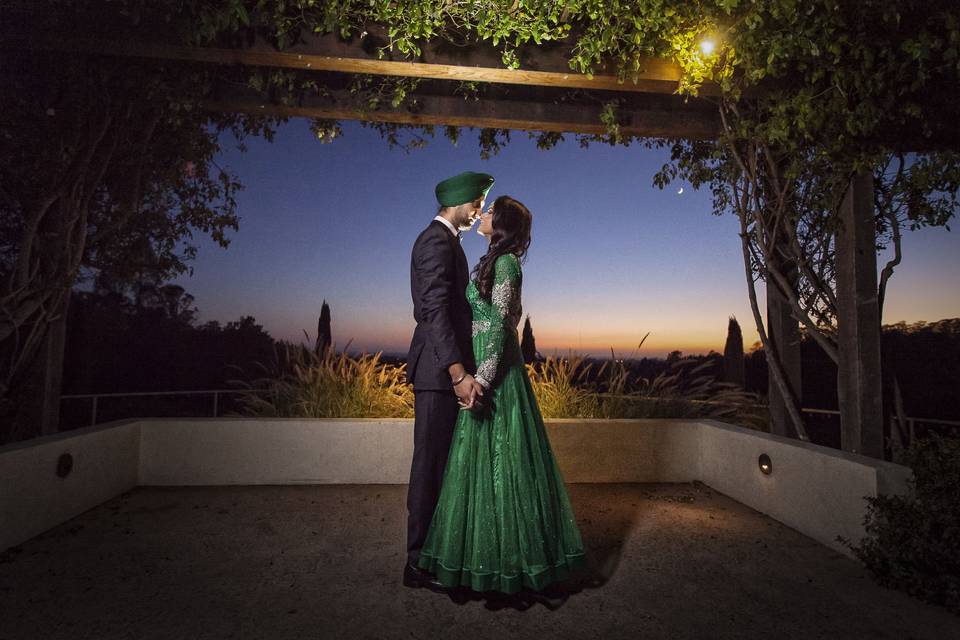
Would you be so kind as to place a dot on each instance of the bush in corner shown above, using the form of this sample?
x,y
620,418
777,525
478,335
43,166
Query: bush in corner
x,y
913,541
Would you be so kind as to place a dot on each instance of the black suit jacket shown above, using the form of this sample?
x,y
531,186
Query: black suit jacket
x,y
438,282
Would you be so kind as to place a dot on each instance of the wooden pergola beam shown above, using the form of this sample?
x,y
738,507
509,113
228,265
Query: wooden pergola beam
x,y
542,66
493,112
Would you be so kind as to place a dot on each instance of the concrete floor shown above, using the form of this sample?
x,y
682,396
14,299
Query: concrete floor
x,y
324,561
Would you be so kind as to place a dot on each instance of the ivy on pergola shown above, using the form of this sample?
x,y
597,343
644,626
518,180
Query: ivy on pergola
x,y
837,74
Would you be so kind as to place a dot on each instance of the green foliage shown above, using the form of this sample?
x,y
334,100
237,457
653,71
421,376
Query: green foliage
x,y
546,139
842,79
373,92
326,130
609,117
924,189
401,136
491,141
913,541
324,384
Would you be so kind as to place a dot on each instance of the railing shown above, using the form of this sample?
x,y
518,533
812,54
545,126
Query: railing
x,y
911,421
96,396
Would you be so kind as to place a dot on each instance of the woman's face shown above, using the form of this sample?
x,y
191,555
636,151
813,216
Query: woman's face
x,y
485,228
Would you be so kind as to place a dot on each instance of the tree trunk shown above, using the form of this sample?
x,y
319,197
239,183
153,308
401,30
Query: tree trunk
x,y
38,410
785,338
858,373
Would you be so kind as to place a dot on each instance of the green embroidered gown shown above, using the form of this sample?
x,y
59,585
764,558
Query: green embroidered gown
x,y
503,519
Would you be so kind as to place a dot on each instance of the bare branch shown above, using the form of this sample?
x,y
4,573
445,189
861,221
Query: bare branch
x,y
772,359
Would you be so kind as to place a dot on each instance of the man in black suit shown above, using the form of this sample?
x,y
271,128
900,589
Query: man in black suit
x,y
440,363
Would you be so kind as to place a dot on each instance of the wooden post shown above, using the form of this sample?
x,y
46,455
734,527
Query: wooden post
x,y
785,338
858,374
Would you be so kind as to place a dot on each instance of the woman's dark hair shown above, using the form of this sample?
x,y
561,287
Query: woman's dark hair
x,y
511,234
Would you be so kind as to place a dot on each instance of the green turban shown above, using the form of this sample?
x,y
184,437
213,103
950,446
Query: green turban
x,y
466,187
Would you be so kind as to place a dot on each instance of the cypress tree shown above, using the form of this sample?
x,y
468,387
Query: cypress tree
x,y
733,366
324,336
528,345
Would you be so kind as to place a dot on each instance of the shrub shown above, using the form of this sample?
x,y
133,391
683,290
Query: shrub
x,y
913,541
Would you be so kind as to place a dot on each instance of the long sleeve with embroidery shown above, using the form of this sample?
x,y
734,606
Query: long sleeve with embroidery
x,y
497,331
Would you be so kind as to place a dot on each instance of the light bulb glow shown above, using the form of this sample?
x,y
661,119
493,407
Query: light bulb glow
x,y
707,47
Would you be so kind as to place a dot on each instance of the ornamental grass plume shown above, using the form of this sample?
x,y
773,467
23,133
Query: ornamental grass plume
x,y
560,388
684,390
304,383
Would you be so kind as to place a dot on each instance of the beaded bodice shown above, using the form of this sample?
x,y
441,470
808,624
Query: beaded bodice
x,y
495,339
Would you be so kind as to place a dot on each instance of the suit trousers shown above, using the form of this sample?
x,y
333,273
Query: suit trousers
x,y
435,416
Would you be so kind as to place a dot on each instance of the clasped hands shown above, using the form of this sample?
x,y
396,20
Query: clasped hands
x,y
468,390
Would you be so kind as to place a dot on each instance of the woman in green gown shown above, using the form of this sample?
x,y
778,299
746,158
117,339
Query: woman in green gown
x,y
503,520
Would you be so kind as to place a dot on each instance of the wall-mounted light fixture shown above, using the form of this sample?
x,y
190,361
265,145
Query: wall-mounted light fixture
x,y
64,465
766,467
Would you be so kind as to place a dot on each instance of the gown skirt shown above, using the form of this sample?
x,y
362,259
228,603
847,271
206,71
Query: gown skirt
x,y
503,520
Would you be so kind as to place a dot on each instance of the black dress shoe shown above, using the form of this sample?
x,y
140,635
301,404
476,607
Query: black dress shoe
x,y
416,578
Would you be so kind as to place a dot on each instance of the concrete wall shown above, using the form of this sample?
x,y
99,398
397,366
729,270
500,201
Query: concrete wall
x,y
202,451
625,450
206,451
816,490
33,498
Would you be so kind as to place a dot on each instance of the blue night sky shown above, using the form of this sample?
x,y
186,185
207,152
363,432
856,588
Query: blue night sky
x,y
612,257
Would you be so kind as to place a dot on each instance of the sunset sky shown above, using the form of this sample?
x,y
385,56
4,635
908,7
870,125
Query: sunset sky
x,y
612,258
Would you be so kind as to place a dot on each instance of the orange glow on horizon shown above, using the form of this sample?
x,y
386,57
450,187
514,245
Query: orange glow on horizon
x,y
396,342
